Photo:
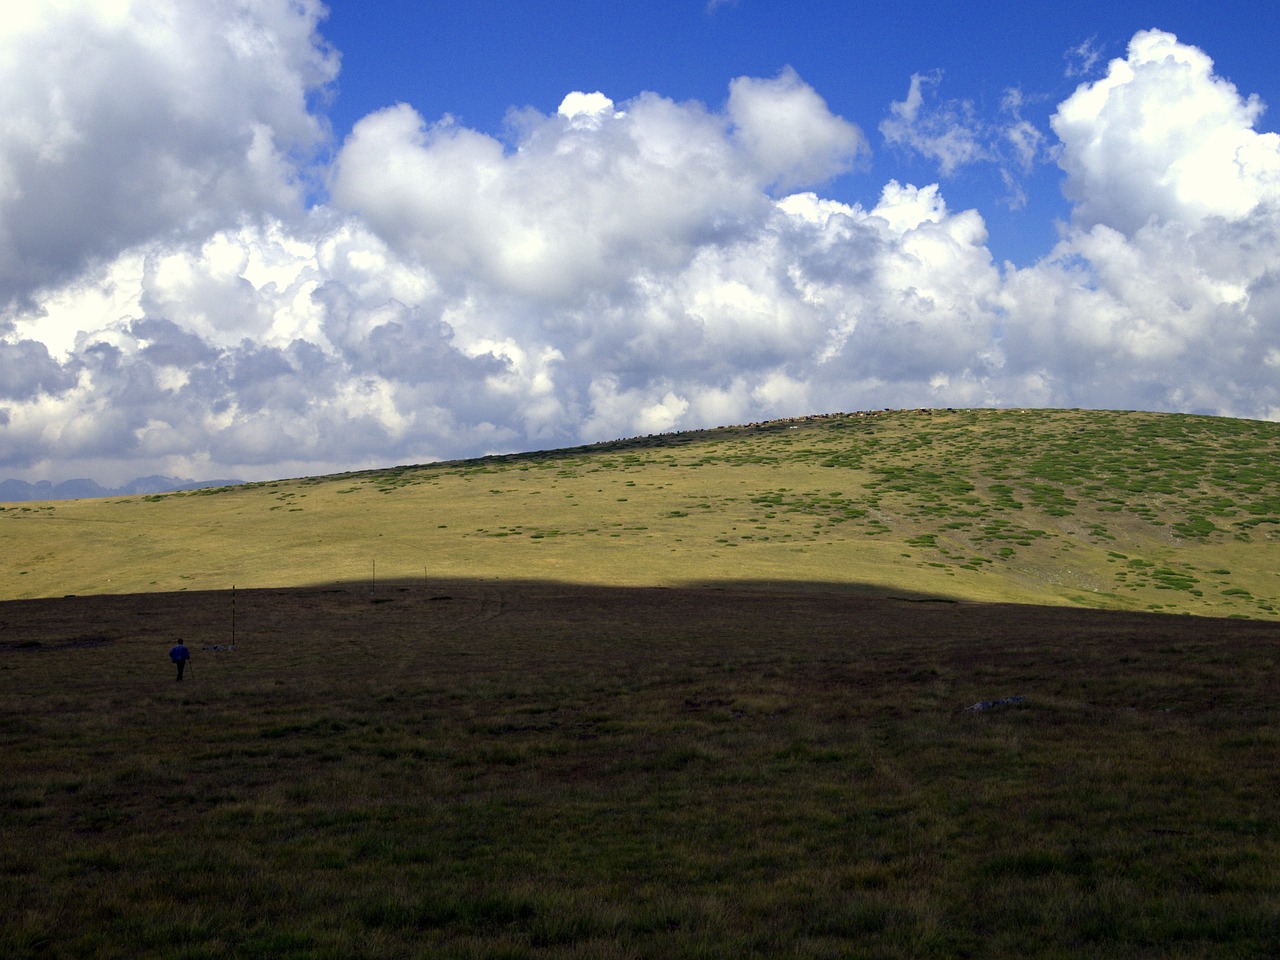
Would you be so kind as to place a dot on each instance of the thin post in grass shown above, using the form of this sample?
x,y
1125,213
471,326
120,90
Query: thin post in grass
x,y
373,584
233,616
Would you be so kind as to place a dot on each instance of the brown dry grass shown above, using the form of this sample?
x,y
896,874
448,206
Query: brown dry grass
x,y
484,769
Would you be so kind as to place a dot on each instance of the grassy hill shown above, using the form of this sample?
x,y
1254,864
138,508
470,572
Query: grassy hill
x,y
1104,509
591,719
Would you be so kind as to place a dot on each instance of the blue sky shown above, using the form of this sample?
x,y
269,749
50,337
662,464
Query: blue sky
x,y
268,238
479,60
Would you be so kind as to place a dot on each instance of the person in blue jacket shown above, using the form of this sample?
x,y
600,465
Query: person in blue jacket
x,y
180,655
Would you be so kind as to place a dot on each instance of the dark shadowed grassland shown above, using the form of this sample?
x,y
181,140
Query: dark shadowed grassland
x,y
489,769
1086,508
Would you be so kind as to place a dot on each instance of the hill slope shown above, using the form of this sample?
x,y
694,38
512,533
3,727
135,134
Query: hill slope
x,y
1124,510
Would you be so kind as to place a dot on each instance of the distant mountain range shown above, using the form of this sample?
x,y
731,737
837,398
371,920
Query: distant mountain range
x,y
13,491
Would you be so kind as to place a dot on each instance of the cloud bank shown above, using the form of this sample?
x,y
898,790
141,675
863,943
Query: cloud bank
x,y
172,302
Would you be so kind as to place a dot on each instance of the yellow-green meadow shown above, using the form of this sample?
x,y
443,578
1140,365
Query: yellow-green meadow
x,y
1094,508
735,694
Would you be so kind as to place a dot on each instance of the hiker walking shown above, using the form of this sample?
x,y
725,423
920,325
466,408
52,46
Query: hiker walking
x,y
180,655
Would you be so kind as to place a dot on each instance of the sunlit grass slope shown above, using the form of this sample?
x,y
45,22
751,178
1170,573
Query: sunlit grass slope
x,y
1106,509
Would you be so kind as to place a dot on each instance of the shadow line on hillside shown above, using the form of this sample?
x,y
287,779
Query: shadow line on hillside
x,y
419,592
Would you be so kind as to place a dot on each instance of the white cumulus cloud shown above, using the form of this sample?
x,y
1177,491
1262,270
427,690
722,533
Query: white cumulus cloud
x,y
122,121
616,268
1161,137
1163,294
788,135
